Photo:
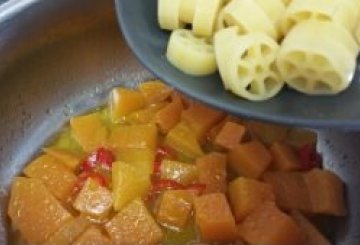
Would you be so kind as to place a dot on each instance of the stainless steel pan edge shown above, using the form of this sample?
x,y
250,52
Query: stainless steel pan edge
x,y
61,57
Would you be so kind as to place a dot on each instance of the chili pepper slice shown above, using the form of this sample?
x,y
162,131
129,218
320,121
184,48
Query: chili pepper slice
x,y
309,157
101,156
79,184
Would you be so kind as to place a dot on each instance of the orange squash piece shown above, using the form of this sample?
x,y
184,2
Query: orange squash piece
x,y
89,131
267,132
290,190
268,225
68,158
326,192
34,211
230,135
58,179
134,225
174,209
298,137
183,173
93,236
123,101
312,234
67,234
145,115
155,91
134,136
214,218
284,157
250,159
201,118
212,172
170,115
247,194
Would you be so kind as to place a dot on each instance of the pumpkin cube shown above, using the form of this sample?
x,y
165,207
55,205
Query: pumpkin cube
x,y
35,212
58,179
230,135
145,115
68,158
93,236
144,158
214,218
89,131
134,225
212,172
284,157
123,101
67,234
326,192
268,225
247,194
311,233
250,159
267,132
93,199
298,137
134,136
170,115
182,139
183,173
129,182
290,190
201,118
155,91
174,209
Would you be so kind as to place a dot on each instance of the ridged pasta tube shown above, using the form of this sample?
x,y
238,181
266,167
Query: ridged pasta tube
x,y
246,63
248,16
187,10
318,58
169,14
190,54
205,16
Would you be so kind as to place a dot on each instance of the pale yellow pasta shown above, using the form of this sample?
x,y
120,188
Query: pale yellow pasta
x,y
357,33
342,12
205,16
246,63
248,16
168,14
190,54
275,9
318,58
187,10
287,2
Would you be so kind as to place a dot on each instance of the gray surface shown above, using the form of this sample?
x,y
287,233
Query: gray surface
x,y
61,57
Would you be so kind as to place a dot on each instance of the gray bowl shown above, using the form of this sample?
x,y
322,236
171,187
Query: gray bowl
x,y
138,21
61,57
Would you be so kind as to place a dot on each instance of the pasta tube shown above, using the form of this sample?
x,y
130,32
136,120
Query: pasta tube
x,y
168,14
187,10
205,16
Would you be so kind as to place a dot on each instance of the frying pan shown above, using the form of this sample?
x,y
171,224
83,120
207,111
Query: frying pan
x,y
59,58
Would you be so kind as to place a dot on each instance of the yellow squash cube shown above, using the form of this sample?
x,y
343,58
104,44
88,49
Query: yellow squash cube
x,y
183,173
92,236
68,158
155,91
143,157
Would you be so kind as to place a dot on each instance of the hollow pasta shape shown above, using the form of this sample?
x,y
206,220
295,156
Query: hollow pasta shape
x,y
274,9
248,16
205,16
168,14
187,10
318,66
357,33
246,64
190,54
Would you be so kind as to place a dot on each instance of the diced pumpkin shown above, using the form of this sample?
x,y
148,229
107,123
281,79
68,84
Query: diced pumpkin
x,y
93,199
67,234
144,158
290,190
134,225
326,192
201,118
284,157
212,172
182,139
134,136
145,115
155,91
247,194
230,135
68,158
93,236
249,159
215,130
267,132
174,209
311,233
123,101
268,225
58,178
214,218
129,182
170,115
298,137
34,211
183,173
89,131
